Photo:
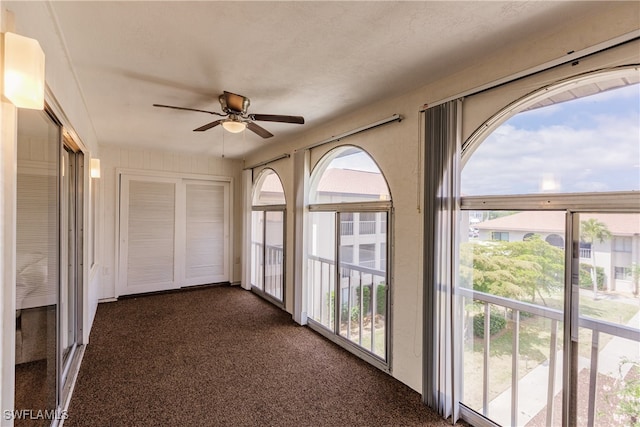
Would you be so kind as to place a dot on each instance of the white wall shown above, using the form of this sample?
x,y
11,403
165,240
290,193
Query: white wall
x,y
397,149
114,157
33,19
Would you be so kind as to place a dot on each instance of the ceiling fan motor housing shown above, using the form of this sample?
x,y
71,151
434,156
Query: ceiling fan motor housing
x,y
234,104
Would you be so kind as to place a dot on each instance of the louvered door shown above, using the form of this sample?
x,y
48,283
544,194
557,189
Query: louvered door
x,y
147,235
207,232
174,232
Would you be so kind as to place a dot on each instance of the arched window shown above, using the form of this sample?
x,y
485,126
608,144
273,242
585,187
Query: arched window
x,y
581,138
555,240
268,236
563,164
348,175
347,266
267,190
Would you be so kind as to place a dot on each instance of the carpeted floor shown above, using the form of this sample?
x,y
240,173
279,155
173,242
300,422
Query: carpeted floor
x,y
221,356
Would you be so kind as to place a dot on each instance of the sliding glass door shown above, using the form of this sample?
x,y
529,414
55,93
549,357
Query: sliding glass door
x,y
549,258
49,267
37,262
512,283
71,220
350,300
606,339
268,253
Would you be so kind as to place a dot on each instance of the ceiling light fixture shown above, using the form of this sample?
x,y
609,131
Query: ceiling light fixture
x,y
233,126
23,71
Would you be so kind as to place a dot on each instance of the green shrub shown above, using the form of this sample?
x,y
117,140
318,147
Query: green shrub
x,y
496,324
585,277
381,299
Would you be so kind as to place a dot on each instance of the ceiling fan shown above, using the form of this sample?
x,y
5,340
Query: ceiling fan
x,y
236,116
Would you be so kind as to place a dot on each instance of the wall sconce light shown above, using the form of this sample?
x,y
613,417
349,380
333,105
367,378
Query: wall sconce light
x,y
23,71
95,168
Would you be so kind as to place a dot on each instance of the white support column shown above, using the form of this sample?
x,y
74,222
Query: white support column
x,y
247,185
300,199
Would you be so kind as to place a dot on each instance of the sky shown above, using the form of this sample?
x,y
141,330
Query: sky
x,y
587,145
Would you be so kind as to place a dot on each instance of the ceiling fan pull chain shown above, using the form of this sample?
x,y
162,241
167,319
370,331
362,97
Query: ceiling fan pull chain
x,y
223,144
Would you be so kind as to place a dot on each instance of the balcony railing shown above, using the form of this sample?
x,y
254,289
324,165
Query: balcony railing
x,y
268,272
596,326
346,228
361,313
585,252
367,227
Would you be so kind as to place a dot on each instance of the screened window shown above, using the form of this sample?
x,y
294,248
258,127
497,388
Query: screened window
x,y
623,273
268,236
622,244
346,271
500,236
576,142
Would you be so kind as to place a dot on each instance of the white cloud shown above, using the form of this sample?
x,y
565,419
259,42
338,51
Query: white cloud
x,y
602,155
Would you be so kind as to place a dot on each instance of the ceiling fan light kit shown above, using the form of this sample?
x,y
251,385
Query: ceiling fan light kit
x,y
233,126
235,109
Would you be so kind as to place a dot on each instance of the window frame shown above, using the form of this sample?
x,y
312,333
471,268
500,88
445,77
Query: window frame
x,y
350,208
573,204
264,209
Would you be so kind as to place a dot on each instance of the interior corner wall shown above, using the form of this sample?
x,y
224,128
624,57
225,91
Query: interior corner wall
x,y
118,157
32,19
36,20
396,147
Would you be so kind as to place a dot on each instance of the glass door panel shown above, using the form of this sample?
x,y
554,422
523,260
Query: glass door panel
x,y
363,280
257,249
37,262
274,254
512,281
321,268
608,340
69,257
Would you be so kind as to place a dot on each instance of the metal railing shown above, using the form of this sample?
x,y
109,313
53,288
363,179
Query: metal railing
x,y
346,228
367,227
585,252
357,310
517,307
268,271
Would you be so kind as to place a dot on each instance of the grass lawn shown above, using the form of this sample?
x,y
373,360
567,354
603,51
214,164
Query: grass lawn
x,y
534,342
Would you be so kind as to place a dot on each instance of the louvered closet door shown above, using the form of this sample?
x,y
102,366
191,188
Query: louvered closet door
x,y
206,232
148,234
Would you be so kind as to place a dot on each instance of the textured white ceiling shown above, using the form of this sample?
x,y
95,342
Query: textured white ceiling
x,y
315,59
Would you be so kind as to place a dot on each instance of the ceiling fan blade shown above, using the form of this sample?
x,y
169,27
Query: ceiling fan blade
x,y
208,125
277,118
189,109
236,102
259,130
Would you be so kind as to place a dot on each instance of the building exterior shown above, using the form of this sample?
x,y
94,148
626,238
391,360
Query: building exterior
x,y
617,255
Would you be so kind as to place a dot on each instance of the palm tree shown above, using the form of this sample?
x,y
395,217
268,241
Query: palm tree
x,y
635,275
592,230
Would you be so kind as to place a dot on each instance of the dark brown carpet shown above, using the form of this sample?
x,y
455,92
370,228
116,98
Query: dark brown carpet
x,y
221,356
33,392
